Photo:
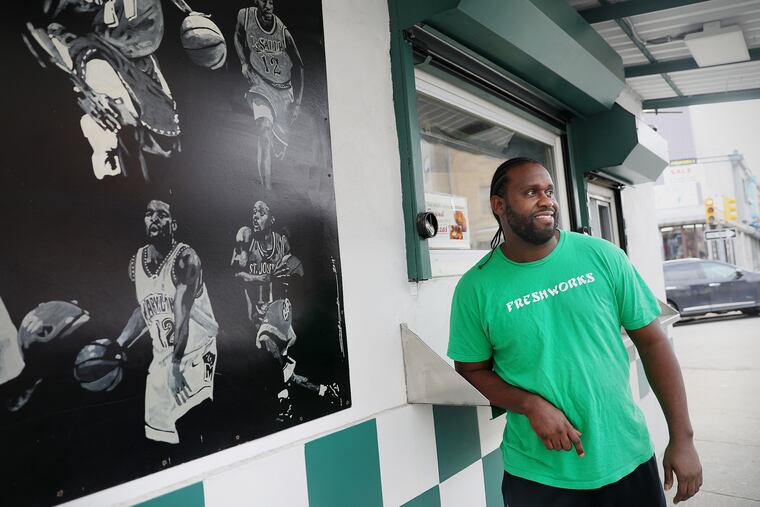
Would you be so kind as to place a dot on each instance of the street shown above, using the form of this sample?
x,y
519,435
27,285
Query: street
x,y
720,359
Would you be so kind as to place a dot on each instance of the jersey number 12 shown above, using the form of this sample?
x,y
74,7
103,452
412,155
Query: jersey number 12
x,y
165,331
271,67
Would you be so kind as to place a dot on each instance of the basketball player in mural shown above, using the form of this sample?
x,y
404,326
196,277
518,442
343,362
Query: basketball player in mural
x,y
30,354
174,307
127,103
273,67
267,267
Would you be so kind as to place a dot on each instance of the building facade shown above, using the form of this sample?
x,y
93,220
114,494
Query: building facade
x,y
423,100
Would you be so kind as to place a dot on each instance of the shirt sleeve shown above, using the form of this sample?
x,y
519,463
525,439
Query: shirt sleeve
x,y
468,341
637,305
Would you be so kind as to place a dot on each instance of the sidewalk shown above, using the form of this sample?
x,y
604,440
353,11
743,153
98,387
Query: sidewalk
x,y
720,359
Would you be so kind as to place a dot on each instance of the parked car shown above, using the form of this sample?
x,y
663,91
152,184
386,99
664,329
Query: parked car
x,y
698,286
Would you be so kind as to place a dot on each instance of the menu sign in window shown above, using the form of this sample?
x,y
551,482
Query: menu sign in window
x,y
453,221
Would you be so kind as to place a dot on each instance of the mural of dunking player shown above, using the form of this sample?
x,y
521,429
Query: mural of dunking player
x,y
116,75
130,339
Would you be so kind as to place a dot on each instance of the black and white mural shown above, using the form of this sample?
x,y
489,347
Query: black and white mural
x,y
170,281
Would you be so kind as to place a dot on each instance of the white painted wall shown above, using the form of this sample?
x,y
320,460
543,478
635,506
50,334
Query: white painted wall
x,y
645,252
644,240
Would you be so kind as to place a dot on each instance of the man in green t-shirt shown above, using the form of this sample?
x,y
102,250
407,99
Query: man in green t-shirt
x,y
535,327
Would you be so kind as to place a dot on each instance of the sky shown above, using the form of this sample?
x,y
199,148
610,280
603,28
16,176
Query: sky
x,y
719,129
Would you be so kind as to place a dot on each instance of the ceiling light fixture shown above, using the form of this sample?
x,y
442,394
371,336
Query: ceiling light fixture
x,y
716,45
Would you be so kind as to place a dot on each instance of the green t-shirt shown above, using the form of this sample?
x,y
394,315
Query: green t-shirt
x,y
553,328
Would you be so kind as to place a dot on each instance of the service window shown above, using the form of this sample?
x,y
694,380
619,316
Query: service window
x,y
463,140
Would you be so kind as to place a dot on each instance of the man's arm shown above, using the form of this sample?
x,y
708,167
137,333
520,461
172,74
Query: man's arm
x,y
664,375
296,77
241,44
133,330
242,242
182,5
548,422
136,325
187,282
188,273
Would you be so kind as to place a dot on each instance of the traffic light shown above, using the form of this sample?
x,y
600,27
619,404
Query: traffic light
x,y
710,217
729,209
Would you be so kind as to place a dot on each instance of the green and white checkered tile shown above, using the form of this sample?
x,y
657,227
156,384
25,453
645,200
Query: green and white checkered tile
x,y
413,456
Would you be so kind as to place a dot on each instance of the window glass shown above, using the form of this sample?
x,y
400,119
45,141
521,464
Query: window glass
x,y
687,272
680,242
460,152
719,271
605,222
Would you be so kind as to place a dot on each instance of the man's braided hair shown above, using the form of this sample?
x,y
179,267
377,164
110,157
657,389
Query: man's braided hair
x,y
499,182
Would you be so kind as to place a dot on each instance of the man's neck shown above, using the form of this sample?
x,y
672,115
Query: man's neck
x,y
160,249
265,238
264,24
517,249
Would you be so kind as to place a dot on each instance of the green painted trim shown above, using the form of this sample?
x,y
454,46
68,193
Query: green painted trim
x,y
410,152
577,181
650,69
630,8
543,42
190,496
707,98
619,144
343,468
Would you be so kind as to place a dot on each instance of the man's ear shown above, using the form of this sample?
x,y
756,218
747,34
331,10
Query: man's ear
x,y
497,205
174,226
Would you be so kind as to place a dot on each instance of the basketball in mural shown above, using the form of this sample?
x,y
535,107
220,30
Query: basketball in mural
x,y
98,366
203,42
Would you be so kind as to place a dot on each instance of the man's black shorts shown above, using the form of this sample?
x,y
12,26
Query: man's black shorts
x,y
640,488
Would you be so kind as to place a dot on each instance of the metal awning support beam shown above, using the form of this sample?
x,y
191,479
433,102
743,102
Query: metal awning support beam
x,y
651,69
707,98
630,8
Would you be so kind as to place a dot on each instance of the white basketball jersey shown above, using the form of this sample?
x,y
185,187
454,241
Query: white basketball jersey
x,y
268,55
155,295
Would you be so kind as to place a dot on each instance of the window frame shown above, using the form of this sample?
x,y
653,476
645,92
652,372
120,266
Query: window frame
x,y
609,197
457,262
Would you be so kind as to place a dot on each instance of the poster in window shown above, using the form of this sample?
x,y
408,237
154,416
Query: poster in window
x,y
453,221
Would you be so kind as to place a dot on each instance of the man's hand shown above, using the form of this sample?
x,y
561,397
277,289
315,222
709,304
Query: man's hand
x,y
248,277
177,382
681,458
250,74
553,428
32,324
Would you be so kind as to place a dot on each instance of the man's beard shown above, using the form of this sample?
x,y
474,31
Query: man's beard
x,y
524,227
